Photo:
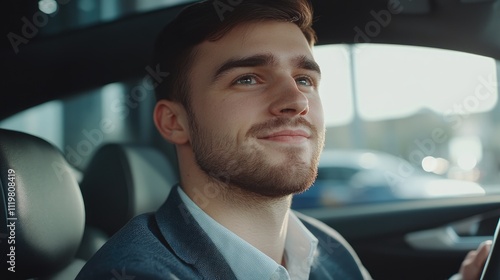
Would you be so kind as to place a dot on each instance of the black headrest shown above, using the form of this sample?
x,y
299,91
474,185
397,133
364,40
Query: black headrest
x,y
41,210
123,181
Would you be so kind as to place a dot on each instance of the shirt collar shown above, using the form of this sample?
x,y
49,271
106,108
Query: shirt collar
x,y
300,246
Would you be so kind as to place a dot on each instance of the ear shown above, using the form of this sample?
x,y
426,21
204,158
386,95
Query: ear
x,y
171,121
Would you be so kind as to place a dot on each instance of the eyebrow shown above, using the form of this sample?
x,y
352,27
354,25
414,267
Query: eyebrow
x,y
257,60
303,62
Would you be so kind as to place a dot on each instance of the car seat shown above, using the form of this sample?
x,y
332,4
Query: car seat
x,y
121,182
41,210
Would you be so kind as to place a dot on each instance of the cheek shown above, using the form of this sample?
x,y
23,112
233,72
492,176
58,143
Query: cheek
x,y
239,116
226,117
316,112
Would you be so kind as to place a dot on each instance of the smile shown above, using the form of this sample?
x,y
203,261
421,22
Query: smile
x,y
287,136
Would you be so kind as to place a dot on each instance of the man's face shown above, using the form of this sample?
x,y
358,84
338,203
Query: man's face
x,y
256,116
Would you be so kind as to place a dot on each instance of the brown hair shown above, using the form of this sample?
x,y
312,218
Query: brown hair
x,y
211,20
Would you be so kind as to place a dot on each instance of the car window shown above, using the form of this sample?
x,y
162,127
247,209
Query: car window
x,y
79,125
405,123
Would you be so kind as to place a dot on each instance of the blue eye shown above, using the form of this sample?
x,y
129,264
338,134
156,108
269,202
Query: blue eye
x,y
304,81
246,80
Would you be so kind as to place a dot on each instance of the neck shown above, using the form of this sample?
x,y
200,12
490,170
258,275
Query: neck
x,y
261,221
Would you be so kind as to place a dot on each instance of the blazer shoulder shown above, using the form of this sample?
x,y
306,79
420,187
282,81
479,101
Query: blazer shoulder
x,y
137,251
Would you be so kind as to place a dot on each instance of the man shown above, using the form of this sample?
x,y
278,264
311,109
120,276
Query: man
x,y
241,105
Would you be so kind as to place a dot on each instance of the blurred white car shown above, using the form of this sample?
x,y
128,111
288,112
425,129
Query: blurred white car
x,y
355,176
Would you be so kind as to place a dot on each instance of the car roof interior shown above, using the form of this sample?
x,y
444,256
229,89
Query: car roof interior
x,y
57,65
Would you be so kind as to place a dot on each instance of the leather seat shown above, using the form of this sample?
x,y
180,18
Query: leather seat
x,y
121,182
41,210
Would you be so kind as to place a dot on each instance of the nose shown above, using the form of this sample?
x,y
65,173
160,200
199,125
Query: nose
x,y
288,100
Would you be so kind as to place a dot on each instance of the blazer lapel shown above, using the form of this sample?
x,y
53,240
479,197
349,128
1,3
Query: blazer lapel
x,y
188,240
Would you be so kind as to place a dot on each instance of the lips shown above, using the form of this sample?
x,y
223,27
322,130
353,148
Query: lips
x,y
287,136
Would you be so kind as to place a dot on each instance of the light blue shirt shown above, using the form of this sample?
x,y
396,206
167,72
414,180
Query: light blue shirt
x,y
249,263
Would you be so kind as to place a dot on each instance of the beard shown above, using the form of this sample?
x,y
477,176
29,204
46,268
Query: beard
x,y
247,167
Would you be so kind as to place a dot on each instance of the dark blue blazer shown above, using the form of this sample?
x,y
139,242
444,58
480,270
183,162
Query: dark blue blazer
x,y
170,244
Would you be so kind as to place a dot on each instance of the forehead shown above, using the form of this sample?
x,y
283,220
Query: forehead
x,y
282,39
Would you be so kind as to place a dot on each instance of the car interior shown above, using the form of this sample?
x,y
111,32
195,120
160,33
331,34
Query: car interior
x,y
80,156
48,217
